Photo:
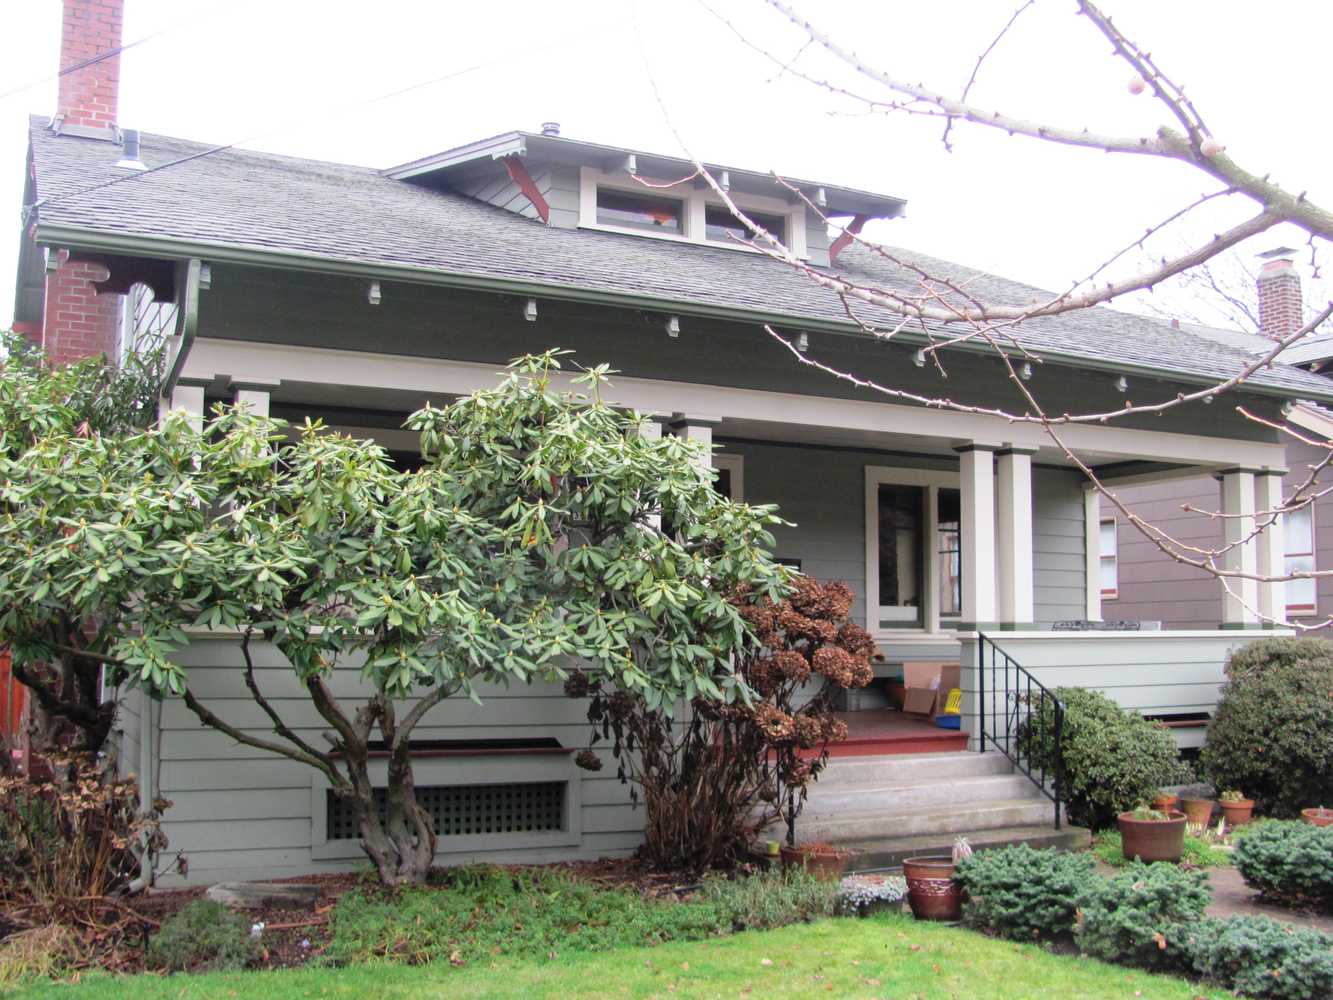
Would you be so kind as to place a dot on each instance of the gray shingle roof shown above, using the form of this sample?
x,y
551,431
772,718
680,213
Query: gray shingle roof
x,y
267,203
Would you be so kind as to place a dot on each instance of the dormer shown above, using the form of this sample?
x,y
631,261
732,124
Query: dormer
x,y
583,185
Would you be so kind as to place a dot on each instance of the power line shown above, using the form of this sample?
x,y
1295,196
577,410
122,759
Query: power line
x,y
108,54
398,92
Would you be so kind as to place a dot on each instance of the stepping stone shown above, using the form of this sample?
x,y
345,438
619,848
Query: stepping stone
x,y
260,895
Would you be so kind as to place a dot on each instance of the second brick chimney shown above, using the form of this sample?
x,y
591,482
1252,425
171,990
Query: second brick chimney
x,y
90,40
1280,307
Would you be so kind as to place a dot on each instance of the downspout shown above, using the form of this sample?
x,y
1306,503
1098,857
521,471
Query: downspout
x,y
150,717
187,320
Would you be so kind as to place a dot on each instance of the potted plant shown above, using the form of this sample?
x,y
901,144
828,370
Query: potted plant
x,y
1319,816
822,860
1152,835
1166,802
1236,807
931,890
1198,807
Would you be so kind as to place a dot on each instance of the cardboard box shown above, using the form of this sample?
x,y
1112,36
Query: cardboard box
x,y
923,679
919,701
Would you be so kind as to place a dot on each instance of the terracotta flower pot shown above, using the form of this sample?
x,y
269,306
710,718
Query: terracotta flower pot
x,y
1319,816
1166,802
1237,812
931,890
1152,839
820,860
1198,811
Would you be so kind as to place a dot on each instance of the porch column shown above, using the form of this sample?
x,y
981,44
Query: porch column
x,y
1272,548
1092,553
651,430
189,398
255,400
1013,502
976,468
254,393
1240,596
697,427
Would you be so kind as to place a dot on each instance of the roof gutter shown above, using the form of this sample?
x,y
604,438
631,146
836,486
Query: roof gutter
x,y
187,319
71,236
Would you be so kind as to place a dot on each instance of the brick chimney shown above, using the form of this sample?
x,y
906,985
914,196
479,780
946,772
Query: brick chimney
x,y
77,322
1280,313
86,102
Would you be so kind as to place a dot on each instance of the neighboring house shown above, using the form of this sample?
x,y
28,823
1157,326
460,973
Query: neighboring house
x,y
355,295
1140,581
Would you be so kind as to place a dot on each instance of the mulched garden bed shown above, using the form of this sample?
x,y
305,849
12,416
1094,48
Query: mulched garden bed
x,y
293,937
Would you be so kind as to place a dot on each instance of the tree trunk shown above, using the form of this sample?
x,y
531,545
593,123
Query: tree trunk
x,y
401,843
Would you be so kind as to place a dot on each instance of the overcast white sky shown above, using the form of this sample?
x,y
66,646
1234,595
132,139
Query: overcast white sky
x,y
298,76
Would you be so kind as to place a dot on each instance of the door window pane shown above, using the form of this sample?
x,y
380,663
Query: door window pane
x,y
949,552
900,554
638,211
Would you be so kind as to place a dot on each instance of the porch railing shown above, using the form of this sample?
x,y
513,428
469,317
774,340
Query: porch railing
x,y
1013,708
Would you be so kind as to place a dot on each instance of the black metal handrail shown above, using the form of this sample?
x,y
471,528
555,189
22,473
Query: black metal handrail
x,y
1008,698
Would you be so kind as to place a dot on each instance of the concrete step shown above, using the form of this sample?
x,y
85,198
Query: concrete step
x,y
891,796
958,818
878,854
892,768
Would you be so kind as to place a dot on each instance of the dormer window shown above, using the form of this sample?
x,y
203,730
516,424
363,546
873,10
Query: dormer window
x,y
687,211
721,226
649,212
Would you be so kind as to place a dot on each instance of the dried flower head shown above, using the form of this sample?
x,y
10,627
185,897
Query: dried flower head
x,y
588,760
577,685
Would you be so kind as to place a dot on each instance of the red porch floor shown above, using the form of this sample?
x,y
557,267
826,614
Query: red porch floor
x,y
886,731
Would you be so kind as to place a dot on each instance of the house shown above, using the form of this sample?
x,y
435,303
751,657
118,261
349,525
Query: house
x,y
1142,582
355,295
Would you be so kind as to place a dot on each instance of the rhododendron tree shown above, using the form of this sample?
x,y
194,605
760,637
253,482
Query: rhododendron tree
x,y
529,538
712,776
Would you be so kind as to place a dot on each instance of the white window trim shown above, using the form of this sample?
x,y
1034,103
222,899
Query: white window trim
x,y
1300,610
933,481
735,464
694,200
1108,595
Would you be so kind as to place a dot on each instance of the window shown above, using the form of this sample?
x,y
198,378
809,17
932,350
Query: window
x,y
630,210
723,227
1300,558
1109,559
949,551
683,211
914,552
901,529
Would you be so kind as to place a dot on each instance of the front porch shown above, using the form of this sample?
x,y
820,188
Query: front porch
x,y
889,731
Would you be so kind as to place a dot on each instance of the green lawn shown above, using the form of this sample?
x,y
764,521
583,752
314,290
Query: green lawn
x,y
888,956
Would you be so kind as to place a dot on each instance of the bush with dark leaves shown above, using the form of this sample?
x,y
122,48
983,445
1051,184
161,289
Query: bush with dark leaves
x,y
1139,916
1018,892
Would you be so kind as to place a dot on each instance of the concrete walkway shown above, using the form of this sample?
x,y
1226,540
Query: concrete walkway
x,y
1232,895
